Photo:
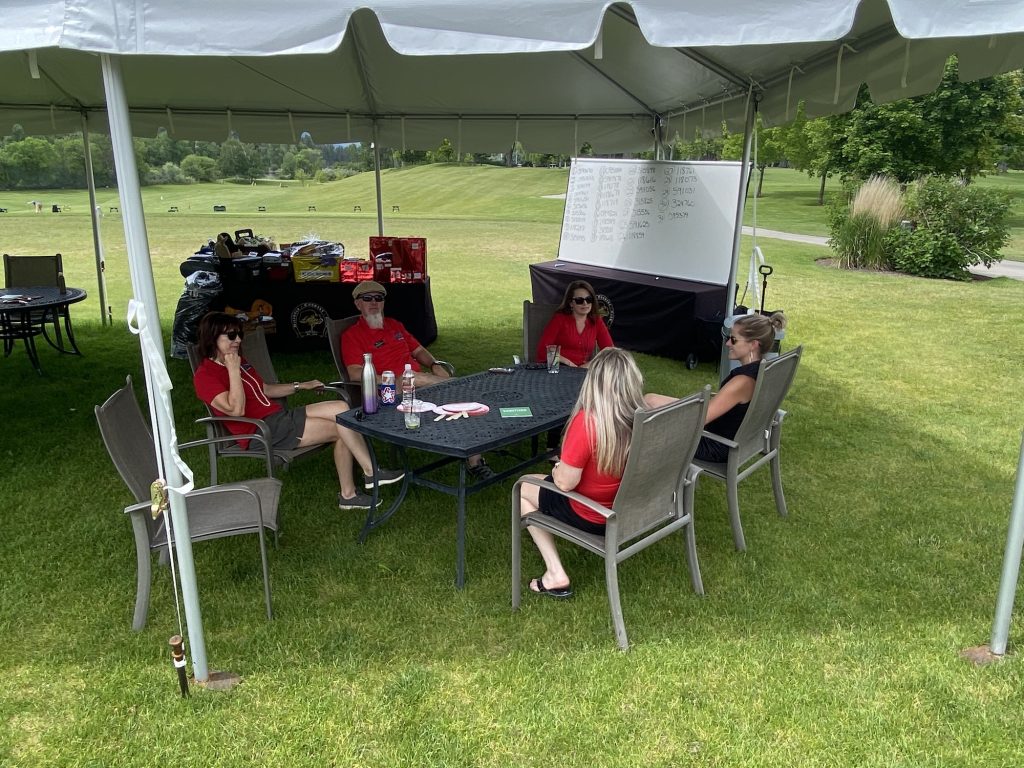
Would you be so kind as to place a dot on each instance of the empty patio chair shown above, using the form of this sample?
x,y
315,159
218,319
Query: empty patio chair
x,y
758,439
217,511
654,499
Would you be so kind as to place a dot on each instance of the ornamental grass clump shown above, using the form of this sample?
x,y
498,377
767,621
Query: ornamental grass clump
x,y
859,231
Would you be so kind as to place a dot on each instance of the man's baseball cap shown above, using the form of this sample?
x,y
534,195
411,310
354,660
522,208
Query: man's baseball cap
x,y
368,286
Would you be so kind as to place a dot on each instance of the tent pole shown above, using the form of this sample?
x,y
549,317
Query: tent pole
x,y
376,175
94,215
1011,565
741,194
143,287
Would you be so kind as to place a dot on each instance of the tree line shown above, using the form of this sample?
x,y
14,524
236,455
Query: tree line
x,y
959,130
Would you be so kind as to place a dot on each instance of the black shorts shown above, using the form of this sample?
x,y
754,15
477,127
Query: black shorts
x,y
286,428
557,506
712,450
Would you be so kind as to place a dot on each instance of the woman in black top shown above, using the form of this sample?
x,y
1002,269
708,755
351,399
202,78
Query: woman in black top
x,y
751,337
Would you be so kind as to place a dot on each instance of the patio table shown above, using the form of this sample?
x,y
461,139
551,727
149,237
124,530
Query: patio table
x,y
25,313
549,398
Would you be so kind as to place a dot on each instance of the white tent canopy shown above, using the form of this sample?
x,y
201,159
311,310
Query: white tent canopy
x,y
569,71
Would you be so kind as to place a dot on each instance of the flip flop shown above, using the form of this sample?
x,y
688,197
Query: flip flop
x,y
559,593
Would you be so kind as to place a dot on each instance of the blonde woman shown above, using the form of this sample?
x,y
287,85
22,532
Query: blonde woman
x,y
593,458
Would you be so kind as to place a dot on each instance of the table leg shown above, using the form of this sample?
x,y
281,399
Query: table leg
x,y
460,530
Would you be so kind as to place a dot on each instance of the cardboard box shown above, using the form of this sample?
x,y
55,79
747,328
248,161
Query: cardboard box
x,y
315,269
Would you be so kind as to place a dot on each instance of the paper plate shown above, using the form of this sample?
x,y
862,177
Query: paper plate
x,y
454,409
460,407
418,406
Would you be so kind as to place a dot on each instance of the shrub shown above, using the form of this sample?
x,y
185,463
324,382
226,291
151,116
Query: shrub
x,y
859,230
953,226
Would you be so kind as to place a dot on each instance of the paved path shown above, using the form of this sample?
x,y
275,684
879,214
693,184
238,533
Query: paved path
x,y
1011,269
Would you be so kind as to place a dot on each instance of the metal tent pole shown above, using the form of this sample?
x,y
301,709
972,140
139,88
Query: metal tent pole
x,y
141,269
376,175
94,214
1011,564
741,195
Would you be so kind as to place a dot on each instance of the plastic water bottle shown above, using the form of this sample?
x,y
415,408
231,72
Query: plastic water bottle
x,y
369,385
412,418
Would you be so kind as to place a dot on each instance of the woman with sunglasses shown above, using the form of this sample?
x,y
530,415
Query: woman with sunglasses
x,y
232,387
750,337
577,327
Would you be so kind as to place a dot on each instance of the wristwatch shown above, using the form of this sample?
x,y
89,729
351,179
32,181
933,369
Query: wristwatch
x,y
295,386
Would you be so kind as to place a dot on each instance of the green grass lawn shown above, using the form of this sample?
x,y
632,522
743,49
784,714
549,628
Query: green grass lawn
x,y
833,641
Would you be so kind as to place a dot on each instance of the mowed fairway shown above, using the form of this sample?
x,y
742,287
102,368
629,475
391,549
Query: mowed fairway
x,y
834,641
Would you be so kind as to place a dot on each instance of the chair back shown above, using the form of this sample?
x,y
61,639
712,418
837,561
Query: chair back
x,y
334,330
535,319
662,447
255,351
128,440
773,381
32,270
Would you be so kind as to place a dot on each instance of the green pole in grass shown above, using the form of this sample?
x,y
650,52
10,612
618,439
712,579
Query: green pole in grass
x,y
1011,564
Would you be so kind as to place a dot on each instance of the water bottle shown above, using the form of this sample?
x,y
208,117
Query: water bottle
x,y
412,418
387,389
369,385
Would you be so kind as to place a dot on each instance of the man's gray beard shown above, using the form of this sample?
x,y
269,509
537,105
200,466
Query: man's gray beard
x,y
375,321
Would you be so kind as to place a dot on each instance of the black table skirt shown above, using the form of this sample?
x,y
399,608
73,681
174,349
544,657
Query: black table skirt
x,y
656,315
301,310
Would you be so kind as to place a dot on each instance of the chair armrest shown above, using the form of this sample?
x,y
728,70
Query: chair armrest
x,y
342,389
587,502
262,435
446,365
719,439
142,506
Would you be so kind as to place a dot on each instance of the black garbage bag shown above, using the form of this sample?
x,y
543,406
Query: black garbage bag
x,y
201,288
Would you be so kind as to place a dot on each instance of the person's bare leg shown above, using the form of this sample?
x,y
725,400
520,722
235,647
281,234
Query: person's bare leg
x,y
355,444
554,577
320,430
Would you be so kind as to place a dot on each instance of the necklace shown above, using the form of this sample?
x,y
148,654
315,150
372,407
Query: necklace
x,y
252,382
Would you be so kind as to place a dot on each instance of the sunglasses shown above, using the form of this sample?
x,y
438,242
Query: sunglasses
x,y
372,297
733,339
582,299
233,335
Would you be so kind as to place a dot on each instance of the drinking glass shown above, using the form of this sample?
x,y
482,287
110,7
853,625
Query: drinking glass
x,y
553,351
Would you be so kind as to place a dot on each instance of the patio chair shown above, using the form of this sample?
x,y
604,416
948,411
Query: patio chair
x,y
334,330
220,510
654,499
45,271
254,350
757,441
535,319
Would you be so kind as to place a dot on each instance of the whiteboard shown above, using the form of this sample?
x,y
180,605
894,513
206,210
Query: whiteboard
x,y
674,219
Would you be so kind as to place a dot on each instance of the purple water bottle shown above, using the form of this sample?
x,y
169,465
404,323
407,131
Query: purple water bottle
x,y
387,389
369,385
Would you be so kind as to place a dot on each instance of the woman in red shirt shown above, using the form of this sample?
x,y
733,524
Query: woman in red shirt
x,y
593,458
232,387
577,327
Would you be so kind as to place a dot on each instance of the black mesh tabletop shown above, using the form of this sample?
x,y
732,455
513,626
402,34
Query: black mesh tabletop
x,y
550,397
